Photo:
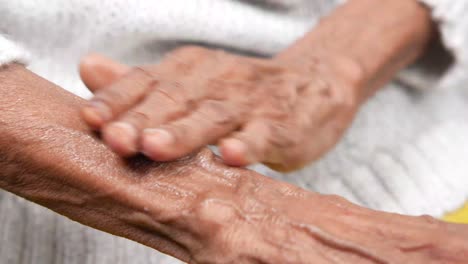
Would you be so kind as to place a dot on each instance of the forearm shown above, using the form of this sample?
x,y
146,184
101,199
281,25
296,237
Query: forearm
x,y
369,41
196,209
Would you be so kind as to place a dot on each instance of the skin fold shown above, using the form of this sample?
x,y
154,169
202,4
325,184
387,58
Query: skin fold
x,y
196,208
284,111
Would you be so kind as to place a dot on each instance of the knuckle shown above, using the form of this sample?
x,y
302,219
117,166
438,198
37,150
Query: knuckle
x,y
120,91
111,96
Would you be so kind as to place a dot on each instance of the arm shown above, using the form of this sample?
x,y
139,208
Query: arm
x,y
195,209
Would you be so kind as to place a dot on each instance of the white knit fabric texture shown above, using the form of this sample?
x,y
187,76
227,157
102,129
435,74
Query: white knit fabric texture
x,y
451,17
406,151
11,52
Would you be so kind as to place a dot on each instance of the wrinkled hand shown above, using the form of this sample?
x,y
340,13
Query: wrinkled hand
x,y
284,114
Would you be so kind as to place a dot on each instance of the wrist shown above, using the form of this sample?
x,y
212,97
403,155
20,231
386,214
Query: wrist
x,y
377,37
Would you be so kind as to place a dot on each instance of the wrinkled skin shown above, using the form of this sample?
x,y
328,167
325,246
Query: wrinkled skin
x,y
260,110
284,111
196,209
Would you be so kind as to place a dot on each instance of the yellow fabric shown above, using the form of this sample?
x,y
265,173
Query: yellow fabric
x,y
460,216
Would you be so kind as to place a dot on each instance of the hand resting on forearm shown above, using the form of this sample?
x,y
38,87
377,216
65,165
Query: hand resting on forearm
x,y
195,209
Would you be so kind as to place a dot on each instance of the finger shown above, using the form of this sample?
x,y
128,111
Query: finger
x,y
162,105
122,138
248,146
121,96
98,71
211,121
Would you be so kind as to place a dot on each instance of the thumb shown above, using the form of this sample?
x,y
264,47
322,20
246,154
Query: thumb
x,y
98,72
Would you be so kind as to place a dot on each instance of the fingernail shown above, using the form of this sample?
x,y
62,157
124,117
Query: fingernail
x,y
158,137
238,152
99,110
123,130
122,137
243,148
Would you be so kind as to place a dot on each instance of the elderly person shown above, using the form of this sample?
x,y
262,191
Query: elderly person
x,y
403,152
